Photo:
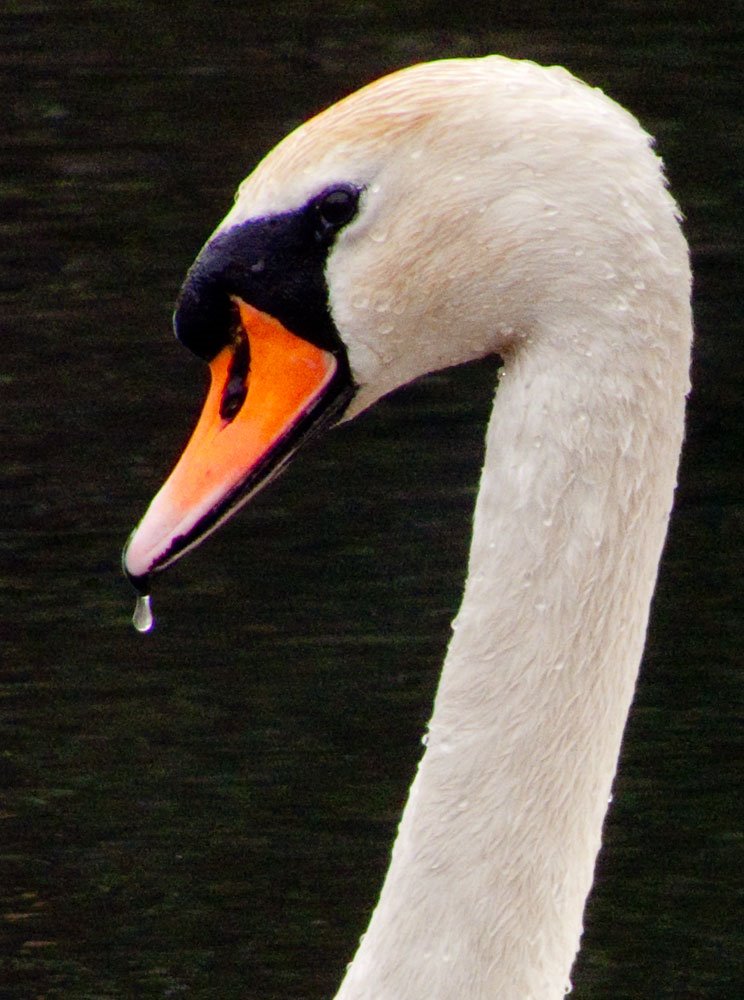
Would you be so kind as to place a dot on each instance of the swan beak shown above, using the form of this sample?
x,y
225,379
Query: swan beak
x,y
269,390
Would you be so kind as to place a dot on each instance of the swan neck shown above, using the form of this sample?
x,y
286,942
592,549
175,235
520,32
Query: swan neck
x,y
497,846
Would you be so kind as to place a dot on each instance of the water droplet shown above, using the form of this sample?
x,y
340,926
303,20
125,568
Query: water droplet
x,y
568,988
425,740
417,154
258,266
142,618
540,605
548,521
559,665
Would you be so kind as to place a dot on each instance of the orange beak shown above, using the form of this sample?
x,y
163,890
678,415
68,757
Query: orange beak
x,y
269,390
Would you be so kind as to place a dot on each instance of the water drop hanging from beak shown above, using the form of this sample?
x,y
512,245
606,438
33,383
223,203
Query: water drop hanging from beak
x,y
142,618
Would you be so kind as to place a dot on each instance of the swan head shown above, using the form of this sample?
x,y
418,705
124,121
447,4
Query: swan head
x,y
435,216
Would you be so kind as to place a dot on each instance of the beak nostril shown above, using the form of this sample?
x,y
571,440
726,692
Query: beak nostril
x,y
236,387
233,398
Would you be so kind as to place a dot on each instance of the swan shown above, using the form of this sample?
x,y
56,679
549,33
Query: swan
x,y
449,211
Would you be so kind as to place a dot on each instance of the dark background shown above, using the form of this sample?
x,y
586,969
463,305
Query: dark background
x,y
208,810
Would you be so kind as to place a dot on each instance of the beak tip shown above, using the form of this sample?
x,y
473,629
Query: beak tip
x,y
139,581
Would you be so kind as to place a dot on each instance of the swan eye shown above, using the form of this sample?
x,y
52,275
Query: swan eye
x,y
336,207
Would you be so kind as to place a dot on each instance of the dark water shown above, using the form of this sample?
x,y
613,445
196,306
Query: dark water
x,y
207,811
